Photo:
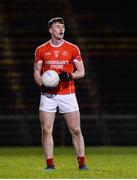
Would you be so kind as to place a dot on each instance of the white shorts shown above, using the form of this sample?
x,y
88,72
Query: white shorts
x,y
65,103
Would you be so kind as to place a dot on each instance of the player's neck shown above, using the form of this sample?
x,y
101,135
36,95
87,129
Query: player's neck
x,y
56,42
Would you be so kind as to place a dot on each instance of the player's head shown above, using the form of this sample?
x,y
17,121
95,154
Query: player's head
x,y
59,20
56,27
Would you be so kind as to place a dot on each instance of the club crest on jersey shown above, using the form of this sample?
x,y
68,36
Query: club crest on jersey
x,y
56,53
65,53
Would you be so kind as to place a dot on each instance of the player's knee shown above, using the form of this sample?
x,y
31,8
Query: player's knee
x,y
47,130
75,131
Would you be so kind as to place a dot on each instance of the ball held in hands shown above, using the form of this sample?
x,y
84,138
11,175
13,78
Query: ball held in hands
x,y
50,79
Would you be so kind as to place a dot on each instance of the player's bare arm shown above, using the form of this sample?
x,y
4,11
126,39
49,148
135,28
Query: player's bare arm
x,y
80,70
37,73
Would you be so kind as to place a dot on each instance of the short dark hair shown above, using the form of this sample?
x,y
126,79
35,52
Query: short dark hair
x,y
54,20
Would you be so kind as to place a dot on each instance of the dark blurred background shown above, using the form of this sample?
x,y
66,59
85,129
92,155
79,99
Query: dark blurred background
x,y
106,32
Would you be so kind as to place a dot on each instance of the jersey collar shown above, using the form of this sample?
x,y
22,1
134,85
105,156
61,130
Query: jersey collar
x,y
55,45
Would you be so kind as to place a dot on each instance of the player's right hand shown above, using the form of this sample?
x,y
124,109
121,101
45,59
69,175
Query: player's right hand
x,y
44,89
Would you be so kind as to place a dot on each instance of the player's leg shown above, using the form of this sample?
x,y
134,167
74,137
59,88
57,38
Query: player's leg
x,y
73,123
47,120
47,110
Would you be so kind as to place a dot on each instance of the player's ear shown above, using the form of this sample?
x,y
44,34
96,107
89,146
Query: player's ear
x,y
50,30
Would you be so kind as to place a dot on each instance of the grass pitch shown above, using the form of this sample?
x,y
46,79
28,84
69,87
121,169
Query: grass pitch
x,y
103,162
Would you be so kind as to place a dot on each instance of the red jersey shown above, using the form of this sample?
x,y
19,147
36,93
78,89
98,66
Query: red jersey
x,y
59,58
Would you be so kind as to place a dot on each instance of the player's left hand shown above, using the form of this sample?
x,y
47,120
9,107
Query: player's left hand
x,y
65,76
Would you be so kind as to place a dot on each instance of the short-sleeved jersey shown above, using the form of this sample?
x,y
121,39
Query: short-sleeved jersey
x,y
59,58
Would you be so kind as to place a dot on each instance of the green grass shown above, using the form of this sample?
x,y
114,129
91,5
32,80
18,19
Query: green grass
x,y
103,162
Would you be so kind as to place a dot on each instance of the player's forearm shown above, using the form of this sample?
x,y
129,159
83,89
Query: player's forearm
x,y
80,70
37,73
37,77
78,74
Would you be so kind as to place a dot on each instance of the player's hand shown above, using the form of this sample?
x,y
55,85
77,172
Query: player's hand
x,y
65,76
45,89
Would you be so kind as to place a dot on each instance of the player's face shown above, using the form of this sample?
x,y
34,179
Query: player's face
x,y
57,30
